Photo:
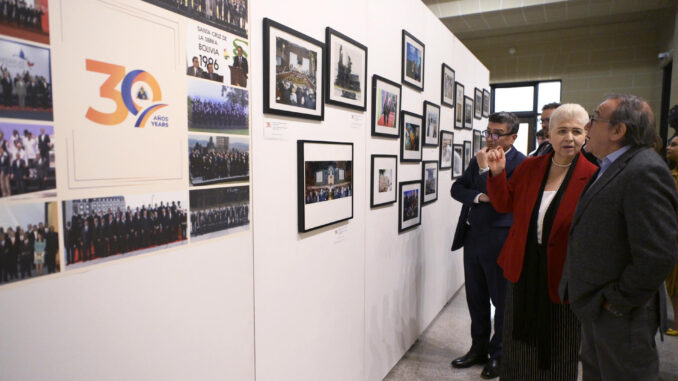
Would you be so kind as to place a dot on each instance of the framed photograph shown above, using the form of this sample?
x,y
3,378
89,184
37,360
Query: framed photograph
x,y
429,175
412,66
468,113
432,123
385,107
409,206
486,103
293,83
325,183
478,104
410,141
345,71
458,156
458,105
467,153
383,180
447,86
446,142
477,139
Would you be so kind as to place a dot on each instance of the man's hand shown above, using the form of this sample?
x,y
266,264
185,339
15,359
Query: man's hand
x,y
483,198
496,160
481,157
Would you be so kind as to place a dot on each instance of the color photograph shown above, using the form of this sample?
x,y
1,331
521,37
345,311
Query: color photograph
x,y
429,174
432,123
213,107
216,56
383,180
229,15
412,65
409,205
328,180
25,19
27,168
217,212
385,107
214,159
410,140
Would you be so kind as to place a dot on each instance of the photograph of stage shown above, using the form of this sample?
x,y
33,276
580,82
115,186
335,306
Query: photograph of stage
x,y
296,75
214,159
328,180
217,212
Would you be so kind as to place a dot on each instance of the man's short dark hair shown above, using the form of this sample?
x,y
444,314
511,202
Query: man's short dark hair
x,y
509,118
194,58
673,117
638,117
543,133
549,106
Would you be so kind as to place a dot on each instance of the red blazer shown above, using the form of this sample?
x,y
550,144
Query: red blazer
x,y
519,196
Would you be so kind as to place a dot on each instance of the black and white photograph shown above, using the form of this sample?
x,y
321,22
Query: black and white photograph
x,y
27,166
429,176
459,106
325,183
467,153
102,229
385,107
293,73
410,140
346,71
412,65
229,15
29,241
478,104
431,124
477,140
214,159
213,107
27,20
216,212
446,142
486,103
216,56
458,165
409,205
468,113
384,177
447,86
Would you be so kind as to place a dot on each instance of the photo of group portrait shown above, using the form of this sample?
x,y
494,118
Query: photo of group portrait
x,y
25,19
217,108
27,168
217,212
229,15
214,159
328,180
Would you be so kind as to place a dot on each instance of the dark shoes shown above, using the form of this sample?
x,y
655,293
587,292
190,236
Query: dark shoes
x,y
491,369
473,357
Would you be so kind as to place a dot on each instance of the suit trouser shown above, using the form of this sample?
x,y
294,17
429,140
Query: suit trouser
x,y
621,348
484,282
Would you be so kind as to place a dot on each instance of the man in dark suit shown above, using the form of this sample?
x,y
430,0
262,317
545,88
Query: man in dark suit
x,y
195,70
481,231
19,174
241,62
44,144
51,249
622,245
211,75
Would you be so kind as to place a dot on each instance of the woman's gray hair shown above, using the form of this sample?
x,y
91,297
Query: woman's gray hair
x,y
569,112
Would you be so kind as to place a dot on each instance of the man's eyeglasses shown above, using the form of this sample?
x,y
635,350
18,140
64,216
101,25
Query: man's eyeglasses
x,y
593,118
495,134
544,120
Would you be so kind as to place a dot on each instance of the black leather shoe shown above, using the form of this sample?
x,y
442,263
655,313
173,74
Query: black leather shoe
x,y
473,357
491,369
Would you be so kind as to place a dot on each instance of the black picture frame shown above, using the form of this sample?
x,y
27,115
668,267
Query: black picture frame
x,y
478,104
410,122
380,83
409,73
467,153
458,105
447,85
486,103
428,167
330,36
320,153
477,138
279,105
409,186
468,113
446,152
374,202
457,166
431,115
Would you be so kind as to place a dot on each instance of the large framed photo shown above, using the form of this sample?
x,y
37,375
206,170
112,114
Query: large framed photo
x,y
478,104
458,161
432,123
325,183
477,139
412,66
459,105
467,153
386,96
447,86
293,83
383,180
345,71
409,206
429,174
446,142
410,141
468,113
486,103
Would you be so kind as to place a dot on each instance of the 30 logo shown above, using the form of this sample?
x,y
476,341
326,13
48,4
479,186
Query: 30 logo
x,y
124,98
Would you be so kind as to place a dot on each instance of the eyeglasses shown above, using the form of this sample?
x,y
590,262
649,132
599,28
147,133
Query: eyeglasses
x,y
594,119
544,120
495,135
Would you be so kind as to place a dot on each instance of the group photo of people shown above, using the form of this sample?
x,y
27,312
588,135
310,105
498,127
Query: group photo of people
x,y
328,180
217,211
410,204
217,108
25,19
216,159
230,15
27,160
296,75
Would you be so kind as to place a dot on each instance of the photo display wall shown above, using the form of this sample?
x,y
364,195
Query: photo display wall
x,y
149,146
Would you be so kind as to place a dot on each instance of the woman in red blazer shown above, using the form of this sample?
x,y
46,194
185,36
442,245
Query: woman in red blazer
x,y
541,334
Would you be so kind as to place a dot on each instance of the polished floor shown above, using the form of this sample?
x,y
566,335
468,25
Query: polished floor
x,y
448,337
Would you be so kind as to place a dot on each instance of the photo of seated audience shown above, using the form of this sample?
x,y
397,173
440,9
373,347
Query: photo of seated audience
x,y
328,180
219,211
218,159
27,166
296,73
28,20
29,241
98,229
229,15
217,108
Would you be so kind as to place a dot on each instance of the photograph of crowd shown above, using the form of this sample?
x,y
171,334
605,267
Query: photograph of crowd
x,y
27,160
216,159
296,75
29,241
25,81
229,15
25,19
410,204
99,229
217,108
328,180
219,211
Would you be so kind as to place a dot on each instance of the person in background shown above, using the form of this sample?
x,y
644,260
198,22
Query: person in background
x,y
39,254
672,280
544,146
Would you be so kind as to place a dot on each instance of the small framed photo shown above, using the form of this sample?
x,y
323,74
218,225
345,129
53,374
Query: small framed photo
x,y
477,139
486,103
431,123
293,83
447,86
385,107
478,104
325,183
459,105
458,153
446,142
429,174
467,153
412,66
468,113
383,180
409,206
410,140
345,71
